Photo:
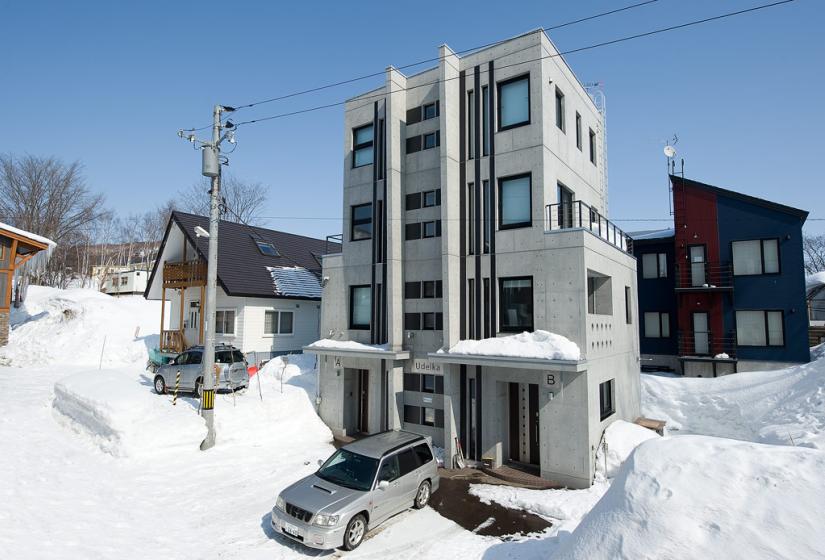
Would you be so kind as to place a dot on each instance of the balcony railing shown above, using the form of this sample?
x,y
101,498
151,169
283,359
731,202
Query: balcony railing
x,y
184,274
172,341
704,276
707,344
333,244
578,215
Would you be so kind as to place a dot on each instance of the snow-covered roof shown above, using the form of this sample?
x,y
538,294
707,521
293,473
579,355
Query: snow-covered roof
x,y
815,280
295,281
541,345
28,234
653,234
329,344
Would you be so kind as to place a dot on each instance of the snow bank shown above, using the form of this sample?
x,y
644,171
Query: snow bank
x,y
553,505
621,438
539,344
695,496
122,415
75,326
784,407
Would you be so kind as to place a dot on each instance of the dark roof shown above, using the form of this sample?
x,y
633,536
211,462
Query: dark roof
x,y
243,270
802,214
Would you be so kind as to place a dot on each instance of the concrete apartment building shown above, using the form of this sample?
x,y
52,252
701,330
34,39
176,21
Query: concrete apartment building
x,y
474,207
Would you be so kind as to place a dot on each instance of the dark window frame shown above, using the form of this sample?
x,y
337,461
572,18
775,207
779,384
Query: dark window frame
x,y
579,142
761,257
424,140
659,258
516,225
628,308
502,309
362,145
607,399
765,325
425,107
660,315
352,290
561,122
506,82
360,221
268,245
592,146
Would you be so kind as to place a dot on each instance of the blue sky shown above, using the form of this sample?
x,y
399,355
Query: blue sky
x,y
110,83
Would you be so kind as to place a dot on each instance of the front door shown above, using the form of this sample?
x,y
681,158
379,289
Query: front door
x,y
524,423
193,323
701,337
698,276
363,400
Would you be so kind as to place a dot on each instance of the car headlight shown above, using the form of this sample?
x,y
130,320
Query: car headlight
x,y
280,503
325,520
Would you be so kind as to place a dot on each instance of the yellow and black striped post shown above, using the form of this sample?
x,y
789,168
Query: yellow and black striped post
x,y
177,386
208,399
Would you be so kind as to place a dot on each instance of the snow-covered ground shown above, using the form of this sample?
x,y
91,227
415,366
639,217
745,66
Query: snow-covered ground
x,y
95,465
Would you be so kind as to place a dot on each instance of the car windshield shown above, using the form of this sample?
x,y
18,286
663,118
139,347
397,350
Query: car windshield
x,y
349,470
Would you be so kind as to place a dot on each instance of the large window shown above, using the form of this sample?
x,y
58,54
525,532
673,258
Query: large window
x,y
514,102
606,405
654,265
657,325
278,322
362,145
514,198
560,110
757,256
760,328
360,307
225,321
516,307
361,226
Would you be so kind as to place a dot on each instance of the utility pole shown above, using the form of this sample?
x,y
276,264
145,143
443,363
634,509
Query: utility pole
x,y
211,167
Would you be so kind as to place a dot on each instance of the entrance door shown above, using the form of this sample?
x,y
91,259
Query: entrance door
x,y
363,400
523,430
698,276
701,337
193,323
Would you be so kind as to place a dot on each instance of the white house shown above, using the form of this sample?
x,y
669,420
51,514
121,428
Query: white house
x,y
269,289
126,282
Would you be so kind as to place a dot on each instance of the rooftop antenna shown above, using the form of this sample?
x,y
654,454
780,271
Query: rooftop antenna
x,y
670,153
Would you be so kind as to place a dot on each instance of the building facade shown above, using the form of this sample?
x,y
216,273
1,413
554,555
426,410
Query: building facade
x,y
474,208
724,290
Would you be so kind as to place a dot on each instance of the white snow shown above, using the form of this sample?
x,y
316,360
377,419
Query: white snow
x,y
702,497
620,438
653,234
330,344
814,280
539,344
295,281
30,235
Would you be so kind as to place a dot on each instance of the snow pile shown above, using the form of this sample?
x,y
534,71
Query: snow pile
x,y
122,415
620,439
695,496
329,344
553,505
784,407
542,345
78,325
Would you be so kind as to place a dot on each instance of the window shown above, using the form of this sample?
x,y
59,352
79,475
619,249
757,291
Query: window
x,y
413,201
407,461
485,121
428,383
267,248
628,309
431,140
225,321
389,470
606,407
429,229
514,102
760,328
361,226
412,321
412,381
412,414
471,218
422,451
657,325
654,265
560,110
566,207
412,231
431,198
599,294
757,256
471,125
428,418
412,290
515,206
360,301
430,111
486,217
362,145
413,144
278,322
592,147
516,307
428,321
431,288
578,130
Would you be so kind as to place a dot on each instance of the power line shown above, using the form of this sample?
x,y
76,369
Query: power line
x,y
559,54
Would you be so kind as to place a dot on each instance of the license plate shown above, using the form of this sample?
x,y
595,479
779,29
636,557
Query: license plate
x,y
291,529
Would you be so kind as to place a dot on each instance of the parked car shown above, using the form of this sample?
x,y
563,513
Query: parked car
x,y
361,485
232,373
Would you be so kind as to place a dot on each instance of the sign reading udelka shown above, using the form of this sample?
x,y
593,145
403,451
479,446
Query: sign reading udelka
x,y
425,366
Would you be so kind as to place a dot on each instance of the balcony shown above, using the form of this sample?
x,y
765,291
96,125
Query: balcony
x,y
705,276
578,215
172,341
707,345
333,244
184,274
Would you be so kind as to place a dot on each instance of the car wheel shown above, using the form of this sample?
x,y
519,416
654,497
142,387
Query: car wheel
x,y
160,385
422,497
199,387
356,529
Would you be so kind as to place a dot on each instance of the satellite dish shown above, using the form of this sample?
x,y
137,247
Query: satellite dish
x,y
670,151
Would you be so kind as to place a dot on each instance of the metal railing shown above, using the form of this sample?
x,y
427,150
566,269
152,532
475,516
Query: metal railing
x,y
184,274
704,275
696,343
578,215
336,240
172,341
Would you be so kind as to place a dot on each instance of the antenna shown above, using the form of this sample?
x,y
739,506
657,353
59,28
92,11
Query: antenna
x,y
670,153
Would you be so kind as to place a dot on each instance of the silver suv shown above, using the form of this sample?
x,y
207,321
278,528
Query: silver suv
x,y
358,487
231,364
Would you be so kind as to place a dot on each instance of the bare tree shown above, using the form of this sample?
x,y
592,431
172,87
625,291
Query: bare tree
x,y
244,200
813,249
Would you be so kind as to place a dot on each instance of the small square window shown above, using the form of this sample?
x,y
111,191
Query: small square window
x,y
429,199
412,290
267,248
428,320
429,289
430,111
412,414
430,140
412,321
429,416
429,229
428,383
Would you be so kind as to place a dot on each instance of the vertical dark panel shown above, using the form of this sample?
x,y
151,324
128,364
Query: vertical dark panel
x,y
534,422
462,407
385,400
478,413
384,210
374,305
476,210
513,420
462,178
491,98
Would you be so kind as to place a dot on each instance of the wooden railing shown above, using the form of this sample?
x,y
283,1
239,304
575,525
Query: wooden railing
x,y
172,341
184,274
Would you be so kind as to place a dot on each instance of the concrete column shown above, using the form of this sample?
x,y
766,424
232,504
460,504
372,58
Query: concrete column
x,y
396,114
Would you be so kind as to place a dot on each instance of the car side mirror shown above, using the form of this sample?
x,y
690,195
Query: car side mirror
x,y
383,485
